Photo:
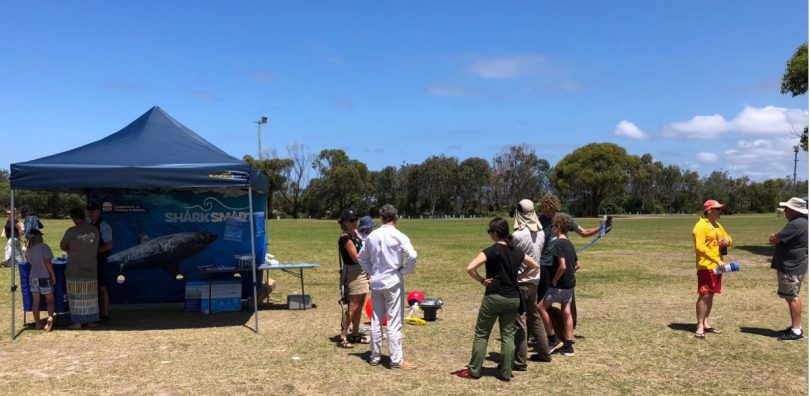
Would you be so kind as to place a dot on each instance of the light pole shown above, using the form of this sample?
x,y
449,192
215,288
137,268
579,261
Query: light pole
x,y
795,161
259,123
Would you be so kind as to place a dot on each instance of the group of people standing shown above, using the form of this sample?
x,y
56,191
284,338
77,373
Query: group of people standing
x,y
376,262
87,243
789,260
525,273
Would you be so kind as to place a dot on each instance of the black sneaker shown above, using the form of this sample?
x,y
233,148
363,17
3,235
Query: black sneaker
x,y
540,358
785,330
554,344
791,336
516,367
567,351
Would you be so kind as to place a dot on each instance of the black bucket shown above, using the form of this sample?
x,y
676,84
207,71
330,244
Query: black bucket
x,y
430,306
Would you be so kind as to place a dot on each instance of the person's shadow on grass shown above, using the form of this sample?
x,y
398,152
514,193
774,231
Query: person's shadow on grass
x,y
760,331
688,327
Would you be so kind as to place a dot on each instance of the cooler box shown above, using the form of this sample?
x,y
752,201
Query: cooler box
x,y
225,295
298,301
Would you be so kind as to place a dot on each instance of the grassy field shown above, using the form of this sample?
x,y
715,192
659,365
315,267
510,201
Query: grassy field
x,y
635,294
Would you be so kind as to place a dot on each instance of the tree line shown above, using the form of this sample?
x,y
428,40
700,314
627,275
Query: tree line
x,y
594,179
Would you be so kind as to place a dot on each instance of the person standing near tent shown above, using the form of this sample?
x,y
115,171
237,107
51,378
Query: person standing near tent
x,y
790,263
13,230
382,257
30,221
41,278
105,245
711,243
355,280
81,244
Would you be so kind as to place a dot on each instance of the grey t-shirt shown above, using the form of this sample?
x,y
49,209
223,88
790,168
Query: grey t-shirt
x,y
790,255
36,256
81,244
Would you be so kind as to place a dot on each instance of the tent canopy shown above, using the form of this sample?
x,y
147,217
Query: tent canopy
x,y
154,151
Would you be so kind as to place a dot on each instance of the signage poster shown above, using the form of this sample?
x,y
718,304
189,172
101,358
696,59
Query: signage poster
x,y
163,239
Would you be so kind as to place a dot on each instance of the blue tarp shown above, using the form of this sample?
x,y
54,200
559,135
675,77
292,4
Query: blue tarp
x,y
154,151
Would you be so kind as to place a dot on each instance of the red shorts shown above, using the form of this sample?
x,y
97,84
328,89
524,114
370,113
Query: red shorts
x,y
708,282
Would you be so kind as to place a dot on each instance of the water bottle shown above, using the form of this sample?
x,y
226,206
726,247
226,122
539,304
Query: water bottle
x,y
733,267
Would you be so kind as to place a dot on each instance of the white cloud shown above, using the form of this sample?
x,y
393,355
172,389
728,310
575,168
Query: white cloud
x,y
709,158
447,90
507,67
699,127
762,157
768,121
628,129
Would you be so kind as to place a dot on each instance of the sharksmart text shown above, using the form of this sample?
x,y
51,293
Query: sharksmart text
x,y
197,217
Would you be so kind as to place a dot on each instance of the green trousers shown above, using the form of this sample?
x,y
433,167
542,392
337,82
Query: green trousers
x,y
504,310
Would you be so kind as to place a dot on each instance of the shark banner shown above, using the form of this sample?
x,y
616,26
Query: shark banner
x,y
163,239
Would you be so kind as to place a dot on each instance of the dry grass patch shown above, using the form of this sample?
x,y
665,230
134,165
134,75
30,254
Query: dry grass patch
x,y
636,311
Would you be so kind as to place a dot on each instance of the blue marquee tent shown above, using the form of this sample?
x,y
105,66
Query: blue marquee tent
x,y
153,152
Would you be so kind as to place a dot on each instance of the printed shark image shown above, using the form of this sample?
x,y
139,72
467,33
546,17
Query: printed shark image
x,y
164,252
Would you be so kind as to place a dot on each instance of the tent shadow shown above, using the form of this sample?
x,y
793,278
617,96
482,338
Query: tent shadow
x,y
760,250
760,331
138,317
688,327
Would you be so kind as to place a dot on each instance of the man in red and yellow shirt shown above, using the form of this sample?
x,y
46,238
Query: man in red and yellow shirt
x,y
711,242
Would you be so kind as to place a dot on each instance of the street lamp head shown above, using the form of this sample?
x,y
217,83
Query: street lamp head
x,y
263,120
795,149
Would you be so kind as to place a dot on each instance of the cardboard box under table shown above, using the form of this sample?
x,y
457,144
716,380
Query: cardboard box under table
x,y
213,296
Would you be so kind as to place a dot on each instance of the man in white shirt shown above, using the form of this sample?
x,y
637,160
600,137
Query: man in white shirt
x,y
530,238
387,255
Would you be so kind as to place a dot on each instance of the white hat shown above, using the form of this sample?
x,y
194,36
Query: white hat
x,y
797,204
526,217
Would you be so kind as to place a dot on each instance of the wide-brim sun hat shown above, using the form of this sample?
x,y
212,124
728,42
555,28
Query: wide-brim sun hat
x,y
796,204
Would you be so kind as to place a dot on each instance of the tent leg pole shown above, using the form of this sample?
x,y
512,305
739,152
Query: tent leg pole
x,y
253,258
13,264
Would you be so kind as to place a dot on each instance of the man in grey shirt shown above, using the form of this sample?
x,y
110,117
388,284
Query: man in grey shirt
x,y
81,244
790,263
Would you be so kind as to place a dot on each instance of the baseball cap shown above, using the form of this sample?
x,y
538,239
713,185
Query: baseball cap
x,y
348,214
712,204
35,232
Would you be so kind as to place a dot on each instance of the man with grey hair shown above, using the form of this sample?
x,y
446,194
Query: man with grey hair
x,y
790,263
387,255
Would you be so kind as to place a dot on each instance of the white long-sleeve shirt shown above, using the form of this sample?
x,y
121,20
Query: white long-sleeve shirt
x,y
387,255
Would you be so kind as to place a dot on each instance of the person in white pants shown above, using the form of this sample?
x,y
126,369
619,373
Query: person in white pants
x,y
387,255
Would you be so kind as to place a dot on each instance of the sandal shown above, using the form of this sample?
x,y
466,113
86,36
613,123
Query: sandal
x,y
360,339
712,330
699,335
345,344
48,325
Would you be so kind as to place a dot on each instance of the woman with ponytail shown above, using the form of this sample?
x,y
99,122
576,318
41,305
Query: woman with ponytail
x,y
502,301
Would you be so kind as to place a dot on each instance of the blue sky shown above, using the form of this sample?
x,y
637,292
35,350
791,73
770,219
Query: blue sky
x,y
694,83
